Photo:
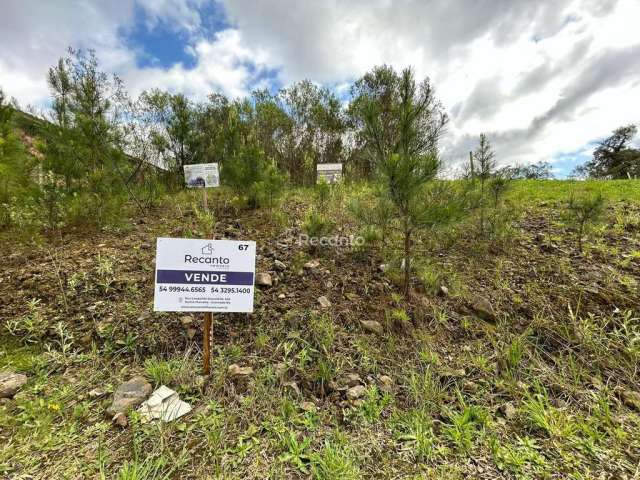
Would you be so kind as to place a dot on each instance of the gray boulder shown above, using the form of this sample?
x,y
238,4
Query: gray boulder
x,y
129,395
10,383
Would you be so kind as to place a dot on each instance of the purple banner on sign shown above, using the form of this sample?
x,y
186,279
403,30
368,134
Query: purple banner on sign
x,y
204,278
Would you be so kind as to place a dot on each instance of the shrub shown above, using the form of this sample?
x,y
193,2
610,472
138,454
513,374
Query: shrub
x,y
584,208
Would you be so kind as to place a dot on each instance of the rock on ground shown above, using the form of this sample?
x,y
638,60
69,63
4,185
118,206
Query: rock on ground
x,y
324,302
386,383
310,265
356,392
236,371
120,419
263,279
631,399
130,394
483,308
372,326
352,379
10,383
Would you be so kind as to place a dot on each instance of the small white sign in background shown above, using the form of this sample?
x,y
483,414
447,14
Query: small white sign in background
x,y
331,172
202,175
195,275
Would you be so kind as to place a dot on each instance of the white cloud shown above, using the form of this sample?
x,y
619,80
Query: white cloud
x,y
223,65
499,66
542,78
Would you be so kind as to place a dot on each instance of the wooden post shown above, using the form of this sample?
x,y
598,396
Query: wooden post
x,y
207,338
206,342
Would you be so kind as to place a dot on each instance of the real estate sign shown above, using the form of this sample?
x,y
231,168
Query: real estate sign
x,y
331,172
204,275
202,175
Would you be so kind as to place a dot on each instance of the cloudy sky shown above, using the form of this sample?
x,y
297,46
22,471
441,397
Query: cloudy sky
x,y
544,79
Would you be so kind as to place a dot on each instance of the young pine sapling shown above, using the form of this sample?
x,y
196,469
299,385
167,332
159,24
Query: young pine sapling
x,y
584,209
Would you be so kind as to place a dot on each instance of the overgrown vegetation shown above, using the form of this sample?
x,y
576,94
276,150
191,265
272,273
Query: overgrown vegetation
x,y
462,337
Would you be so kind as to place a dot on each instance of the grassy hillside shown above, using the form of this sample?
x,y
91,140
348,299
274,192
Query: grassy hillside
x,y
523,366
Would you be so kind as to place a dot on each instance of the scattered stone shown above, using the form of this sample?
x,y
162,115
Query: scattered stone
x,y
522,386
382,267
352,379
324,302
356,392
386,383
120,419
372,326
236,371
97,393
143,317
280,266
631,399
282,296
483,308
471,386
308,406
453,372
312,264
263,279
10,383
443,291
508,410
130,394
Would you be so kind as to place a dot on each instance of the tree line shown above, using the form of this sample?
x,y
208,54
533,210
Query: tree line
x,y
101,148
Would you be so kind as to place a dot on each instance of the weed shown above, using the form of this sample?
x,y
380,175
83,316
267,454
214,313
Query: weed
x,y
168,372
335,461
416,429
519,459
542,416
425,388
296,452
31,327
374,404
463,426
151,468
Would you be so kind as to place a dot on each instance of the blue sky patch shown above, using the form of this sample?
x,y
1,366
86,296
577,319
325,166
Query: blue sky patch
x,y
164,44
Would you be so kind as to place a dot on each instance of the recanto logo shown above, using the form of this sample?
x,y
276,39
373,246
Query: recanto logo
x,y
206,260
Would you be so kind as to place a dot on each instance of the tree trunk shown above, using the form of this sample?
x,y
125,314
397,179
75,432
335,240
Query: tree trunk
x,y
407,260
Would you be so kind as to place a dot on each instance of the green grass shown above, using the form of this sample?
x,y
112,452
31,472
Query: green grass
x,y
553,339
536,191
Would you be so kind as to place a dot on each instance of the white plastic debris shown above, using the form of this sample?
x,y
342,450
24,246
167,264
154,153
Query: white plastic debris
x,y
164,404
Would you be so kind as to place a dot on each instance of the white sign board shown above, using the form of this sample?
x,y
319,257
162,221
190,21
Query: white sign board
x,y
331,172
202,175
195,275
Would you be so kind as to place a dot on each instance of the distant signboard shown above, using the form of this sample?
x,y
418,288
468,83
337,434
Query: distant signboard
x,y
331,172
202,175
204,275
